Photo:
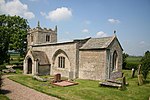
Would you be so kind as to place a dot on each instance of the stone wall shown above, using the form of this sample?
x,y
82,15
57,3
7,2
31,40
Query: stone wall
x,y
115,46
53,51
92,64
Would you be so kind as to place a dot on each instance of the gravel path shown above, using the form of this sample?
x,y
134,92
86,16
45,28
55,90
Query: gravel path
x,y
16,91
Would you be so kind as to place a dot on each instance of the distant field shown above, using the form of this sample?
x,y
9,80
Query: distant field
x,y
15,58
133,59
133,62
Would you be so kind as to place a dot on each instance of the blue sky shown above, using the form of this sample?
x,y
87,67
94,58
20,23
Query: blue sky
x,y
89,18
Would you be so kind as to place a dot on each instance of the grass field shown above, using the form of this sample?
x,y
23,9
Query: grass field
x,y
133,62
3,97
133,59
15,58
89,90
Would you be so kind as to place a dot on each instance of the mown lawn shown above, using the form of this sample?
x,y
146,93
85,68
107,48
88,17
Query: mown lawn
x,y
3,97
89,90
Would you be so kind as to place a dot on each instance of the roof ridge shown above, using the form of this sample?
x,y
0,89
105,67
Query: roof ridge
x,y
105,45
102,37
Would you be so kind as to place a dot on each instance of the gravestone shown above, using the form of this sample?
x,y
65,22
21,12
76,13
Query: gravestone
x,y
132,73
57,78
123,80
139,70
39,78
140,78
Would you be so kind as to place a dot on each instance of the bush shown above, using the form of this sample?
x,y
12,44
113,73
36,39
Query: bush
x,y
2,67
145,64
131,65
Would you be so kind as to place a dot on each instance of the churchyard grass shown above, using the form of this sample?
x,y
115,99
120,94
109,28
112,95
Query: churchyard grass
x,y
3,97
89,90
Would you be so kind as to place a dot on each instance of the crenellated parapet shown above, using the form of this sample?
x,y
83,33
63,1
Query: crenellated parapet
x,y
39,35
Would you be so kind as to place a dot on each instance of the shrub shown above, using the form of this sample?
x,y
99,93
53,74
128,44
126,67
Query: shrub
x,y
131,65
2,67
145,64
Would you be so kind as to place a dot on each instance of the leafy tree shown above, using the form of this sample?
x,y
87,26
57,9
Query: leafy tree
x,y
4,43
145,64
13,31
124,56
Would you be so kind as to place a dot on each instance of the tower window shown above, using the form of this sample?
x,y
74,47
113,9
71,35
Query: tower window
x,y
47,38
31,38
61,62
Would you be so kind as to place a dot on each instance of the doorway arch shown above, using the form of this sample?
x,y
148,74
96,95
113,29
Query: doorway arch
x,y
29,66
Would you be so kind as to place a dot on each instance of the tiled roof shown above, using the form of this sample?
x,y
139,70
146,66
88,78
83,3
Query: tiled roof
x,y
41,57
98,43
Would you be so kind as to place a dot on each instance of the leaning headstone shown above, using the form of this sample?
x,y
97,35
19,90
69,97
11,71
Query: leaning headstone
x,y
132,73
140,78
139,70
123,82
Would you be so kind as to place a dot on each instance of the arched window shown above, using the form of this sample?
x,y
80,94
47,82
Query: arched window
x,y
61,62
47,38
115,61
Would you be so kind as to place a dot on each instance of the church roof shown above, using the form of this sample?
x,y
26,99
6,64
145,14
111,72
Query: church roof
x,y
41,57
98,43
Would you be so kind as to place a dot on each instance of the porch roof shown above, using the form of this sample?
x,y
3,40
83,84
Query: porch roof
x,y
41,57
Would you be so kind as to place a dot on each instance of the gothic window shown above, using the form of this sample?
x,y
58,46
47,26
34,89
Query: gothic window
x,y
61,62
47,38
31,38
114,64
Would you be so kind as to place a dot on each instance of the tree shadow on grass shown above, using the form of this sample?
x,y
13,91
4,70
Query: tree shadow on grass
x,y
2,91
146,82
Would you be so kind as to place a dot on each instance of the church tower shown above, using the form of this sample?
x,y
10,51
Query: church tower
x,y
40,35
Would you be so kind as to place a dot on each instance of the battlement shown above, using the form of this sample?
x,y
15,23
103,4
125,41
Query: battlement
x,y
40,29
39,35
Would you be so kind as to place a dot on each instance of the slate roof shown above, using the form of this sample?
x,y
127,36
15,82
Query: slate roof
x,y
41,57
98,43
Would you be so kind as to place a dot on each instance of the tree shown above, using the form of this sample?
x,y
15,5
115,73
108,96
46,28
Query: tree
x,y
124,56
145,64
4,44
13,33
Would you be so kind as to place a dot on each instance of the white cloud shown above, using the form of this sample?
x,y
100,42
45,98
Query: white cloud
x,y
85,31
101,34
15,7
43,13
114,21
33,0
29,15
59,14
87,22
142,42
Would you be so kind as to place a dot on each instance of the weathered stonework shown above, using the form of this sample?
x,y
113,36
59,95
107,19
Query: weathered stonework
x,y
91,58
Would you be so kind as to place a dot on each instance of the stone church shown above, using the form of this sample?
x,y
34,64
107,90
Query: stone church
x,y
90,58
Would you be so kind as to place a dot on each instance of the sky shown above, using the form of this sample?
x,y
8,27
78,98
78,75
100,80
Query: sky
x,y
78,19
